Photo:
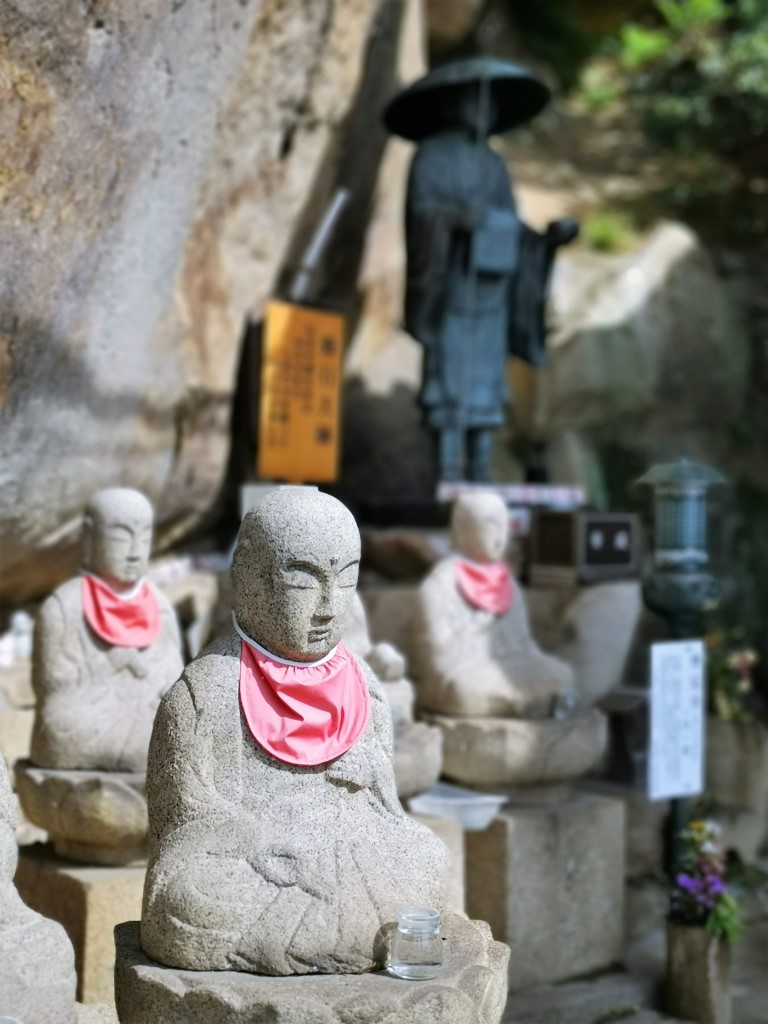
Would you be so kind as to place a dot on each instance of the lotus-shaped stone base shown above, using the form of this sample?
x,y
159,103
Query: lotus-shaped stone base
x,y
471,989
515,752
91,816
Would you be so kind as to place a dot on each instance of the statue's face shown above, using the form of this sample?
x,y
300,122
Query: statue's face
x,y
480,527
295,581
118,538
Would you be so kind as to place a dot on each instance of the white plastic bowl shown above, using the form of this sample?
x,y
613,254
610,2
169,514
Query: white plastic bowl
x,y
474,811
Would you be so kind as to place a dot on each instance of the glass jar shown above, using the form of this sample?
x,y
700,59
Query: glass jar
x,y
417,946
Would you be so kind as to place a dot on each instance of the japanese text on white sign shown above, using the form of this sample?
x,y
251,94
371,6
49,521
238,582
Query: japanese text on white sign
x,y
676,752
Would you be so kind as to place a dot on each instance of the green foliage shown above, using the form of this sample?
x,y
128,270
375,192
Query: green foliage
x,y
640,45
598,86
692,15
696,74
608,230
725,919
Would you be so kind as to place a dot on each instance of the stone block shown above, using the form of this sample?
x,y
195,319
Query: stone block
x,y
549,879
470,990
645,821
519,752
452,834
16,734
88,902
91,1013
611,997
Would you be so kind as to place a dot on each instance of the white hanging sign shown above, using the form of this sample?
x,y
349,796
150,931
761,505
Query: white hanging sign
x,y
676,750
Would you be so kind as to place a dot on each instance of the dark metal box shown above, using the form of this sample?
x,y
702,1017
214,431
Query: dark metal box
x,y
581,546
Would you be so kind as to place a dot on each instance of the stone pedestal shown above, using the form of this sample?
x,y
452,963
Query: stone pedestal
x,y
520,752
471,989
549,880
90,1013
88,902
452,834
92,817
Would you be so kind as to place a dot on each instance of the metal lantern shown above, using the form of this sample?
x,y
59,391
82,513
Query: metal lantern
x,y
680,588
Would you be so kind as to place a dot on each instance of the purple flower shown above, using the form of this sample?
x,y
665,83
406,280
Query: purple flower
x,y
689,884
716,885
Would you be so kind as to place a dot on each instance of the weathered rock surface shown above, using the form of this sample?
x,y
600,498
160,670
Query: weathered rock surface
x,y
517,752
590,628
95,817
37,963
471,989
137,243
646,348
737,764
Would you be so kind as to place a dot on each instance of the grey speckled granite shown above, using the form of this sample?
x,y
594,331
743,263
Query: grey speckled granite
x,y
96,702
471,989
473,662
259,866
37,962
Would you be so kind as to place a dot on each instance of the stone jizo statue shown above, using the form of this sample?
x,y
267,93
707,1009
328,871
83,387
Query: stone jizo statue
x,y
278,845
37,962
474,653
106,647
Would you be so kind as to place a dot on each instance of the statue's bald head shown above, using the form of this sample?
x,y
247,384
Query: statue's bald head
x,y
117,535
480,526
295,572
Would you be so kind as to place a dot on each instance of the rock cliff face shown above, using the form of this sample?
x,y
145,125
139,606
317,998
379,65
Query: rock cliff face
x,y
160,160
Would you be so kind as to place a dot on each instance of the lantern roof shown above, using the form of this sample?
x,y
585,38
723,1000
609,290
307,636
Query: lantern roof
x,y
682,473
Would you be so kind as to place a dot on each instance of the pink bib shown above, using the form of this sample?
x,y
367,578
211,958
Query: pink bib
x,y
121,621
488,587
303,715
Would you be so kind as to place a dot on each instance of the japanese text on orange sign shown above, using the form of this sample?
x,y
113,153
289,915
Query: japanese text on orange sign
x,y
299,401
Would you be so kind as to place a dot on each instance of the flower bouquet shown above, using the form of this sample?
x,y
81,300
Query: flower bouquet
x,y
730,666
700,896
704,918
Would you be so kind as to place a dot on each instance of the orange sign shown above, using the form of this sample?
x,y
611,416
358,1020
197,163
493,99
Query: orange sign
x,y
299,400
